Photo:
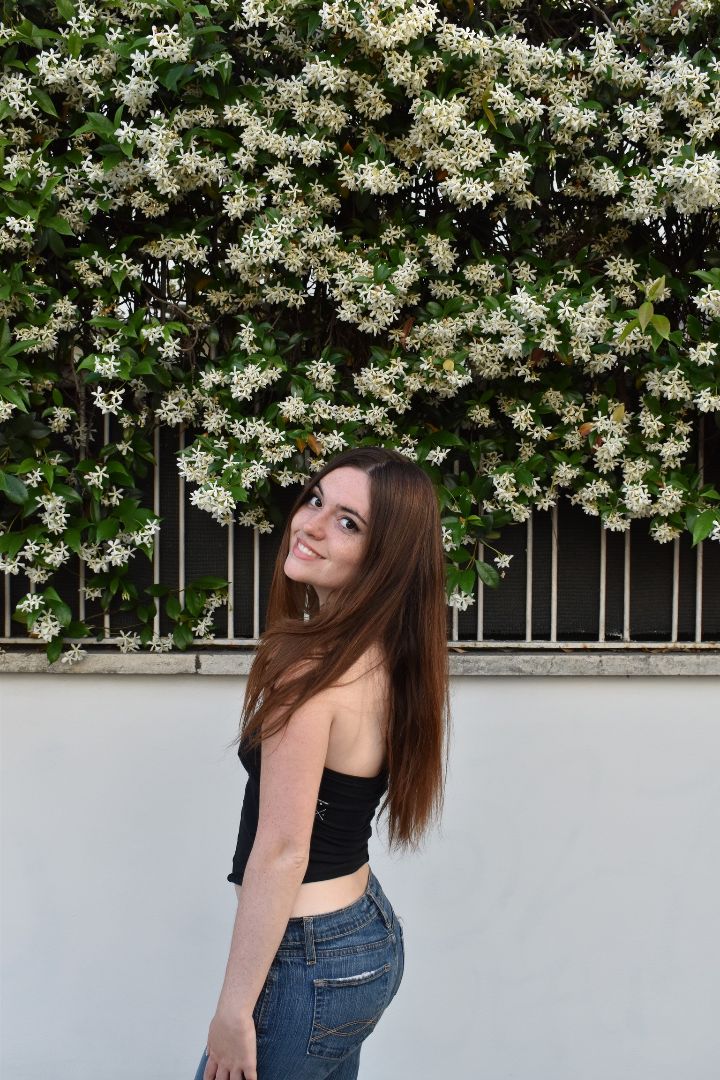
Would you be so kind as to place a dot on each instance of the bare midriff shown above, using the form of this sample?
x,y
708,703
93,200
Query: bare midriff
x,y
320,897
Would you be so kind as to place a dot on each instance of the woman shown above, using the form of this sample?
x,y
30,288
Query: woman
x,y
347,701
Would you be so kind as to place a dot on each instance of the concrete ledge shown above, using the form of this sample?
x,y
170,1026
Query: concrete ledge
x,y
556,662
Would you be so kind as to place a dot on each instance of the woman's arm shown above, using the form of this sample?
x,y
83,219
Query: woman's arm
x,y
292,765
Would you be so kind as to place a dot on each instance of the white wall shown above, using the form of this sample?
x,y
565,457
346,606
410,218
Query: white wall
x,y
564,926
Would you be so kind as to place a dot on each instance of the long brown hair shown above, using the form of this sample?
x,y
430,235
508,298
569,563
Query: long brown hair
x,y
396,601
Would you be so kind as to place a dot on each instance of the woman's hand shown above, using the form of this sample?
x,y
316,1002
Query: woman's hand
x,y
231,1048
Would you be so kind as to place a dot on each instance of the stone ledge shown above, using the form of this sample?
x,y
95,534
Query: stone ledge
x,y
487,662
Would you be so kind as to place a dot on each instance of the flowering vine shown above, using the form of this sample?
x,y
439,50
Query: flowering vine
x,y
485,234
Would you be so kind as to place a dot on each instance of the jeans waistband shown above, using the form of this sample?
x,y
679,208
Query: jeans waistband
x,y
304,932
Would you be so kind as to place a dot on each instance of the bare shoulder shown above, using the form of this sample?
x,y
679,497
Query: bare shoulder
x,y
366,675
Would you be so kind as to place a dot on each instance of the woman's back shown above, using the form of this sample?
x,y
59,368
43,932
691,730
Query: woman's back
x,y
356,748
357,743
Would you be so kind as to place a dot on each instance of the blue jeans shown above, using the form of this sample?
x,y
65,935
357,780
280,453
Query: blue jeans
x,y
330,981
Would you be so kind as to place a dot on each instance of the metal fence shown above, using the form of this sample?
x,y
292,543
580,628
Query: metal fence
x,y
571,584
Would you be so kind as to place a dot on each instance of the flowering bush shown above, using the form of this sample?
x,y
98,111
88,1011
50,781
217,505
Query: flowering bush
x,y
484,233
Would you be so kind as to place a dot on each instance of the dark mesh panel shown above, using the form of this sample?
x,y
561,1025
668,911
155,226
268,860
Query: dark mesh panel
x,y
686,592
243,576
17,586
270,544
542,575
168,537
504,607
651,575
614,584
711,591
711,549
578,574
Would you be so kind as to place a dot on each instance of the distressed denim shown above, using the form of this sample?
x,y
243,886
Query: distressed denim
x,y
332,978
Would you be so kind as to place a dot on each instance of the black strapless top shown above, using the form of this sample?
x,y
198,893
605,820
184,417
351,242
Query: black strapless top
x,y
343,820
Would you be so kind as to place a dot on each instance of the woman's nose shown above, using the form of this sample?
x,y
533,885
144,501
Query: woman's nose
x,y
315,525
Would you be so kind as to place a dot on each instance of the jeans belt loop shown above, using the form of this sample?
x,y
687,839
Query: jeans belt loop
x,y
309,939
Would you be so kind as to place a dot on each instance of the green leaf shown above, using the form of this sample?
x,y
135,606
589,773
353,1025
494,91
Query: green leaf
x,y
173,610
704,525
62,613
157,590
73,539
44,101
13,395
54,649
107,529
645,314
661,325
10,543
632,325
209,582
694,327
194,602
466,581
488,574
656,288
58,225
13,488
182,636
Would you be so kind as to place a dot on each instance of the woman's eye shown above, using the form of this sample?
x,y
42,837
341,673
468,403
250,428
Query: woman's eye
x,y
314,497
350,524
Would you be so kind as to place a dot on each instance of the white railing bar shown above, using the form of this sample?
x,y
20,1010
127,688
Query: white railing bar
x,y
231,579
480,631
529,578
699,592
699,550
181,523
6,605
626,589
256,583
603,582
156,537
455,622
81,589
554,575
675,590
106,440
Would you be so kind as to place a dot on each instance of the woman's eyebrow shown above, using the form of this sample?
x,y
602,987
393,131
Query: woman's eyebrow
x,y
347,509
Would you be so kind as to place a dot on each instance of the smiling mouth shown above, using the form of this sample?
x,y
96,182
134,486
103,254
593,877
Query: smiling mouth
x,y
305,550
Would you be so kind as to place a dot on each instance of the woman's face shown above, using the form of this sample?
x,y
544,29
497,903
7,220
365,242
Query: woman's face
x,y
328,534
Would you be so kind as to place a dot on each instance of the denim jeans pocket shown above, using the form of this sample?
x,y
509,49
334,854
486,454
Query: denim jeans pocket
x,y
346,1010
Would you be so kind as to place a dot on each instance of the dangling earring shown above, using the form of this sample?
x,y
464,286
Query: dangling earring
x,y
306,604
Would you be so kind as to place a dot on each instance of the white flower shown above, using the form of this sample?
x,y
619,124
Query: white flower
x,y
128,641
72,655
437,455
461,601
31,602
97,476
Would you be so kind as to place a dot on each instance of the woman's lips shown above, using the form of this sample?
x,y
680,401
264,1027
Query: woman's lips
x,y
308,553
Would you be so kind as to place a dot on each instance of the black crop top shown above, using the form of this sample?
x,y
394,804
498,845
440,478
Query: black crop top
x,y
342,827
